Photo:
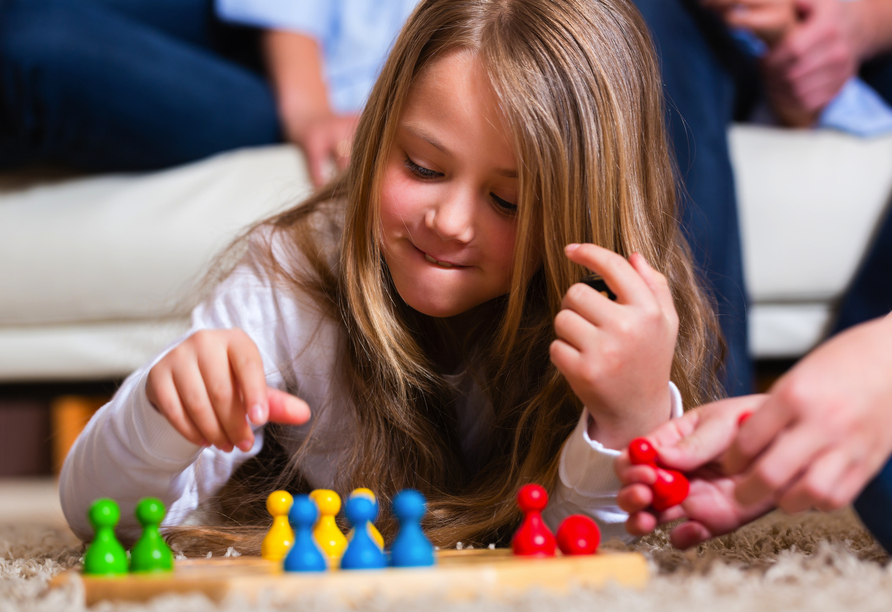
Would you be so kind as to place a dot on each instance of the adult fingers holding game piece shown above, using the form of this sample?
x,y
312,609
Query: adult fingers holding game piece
x,y
704,434
818,486
835,400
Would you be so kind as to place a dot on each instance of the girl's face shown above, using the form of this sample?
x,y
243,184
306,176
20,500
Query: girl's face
x,y
449,193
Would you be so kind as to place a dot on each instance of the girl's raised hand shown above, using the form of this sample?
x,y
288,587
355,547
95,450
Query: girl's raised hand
x,y
617,356
209,385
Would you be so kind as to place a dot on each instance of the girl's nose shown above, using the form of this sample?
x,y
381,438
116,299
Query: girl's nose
x,y
452,217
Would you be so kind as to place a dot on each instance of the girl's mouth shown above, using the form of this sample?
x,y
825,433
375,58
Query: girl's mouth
x,y
442,264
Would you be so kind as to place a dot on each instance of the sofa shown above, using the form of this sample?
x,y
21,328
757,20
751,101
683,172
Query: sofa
x,y
96,272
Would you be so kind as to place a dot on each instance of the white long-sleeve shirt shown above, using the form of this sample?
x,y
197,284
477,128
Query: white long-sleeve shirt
x,y
129,450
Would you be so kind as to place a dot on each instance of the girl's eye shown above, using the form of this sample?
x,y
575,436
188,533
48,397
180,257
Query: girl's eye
x,y
507,207
421,171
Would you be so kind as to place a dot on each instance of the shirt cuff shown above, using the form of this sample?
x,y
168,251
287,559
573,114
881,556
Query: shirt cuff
x,y
587,465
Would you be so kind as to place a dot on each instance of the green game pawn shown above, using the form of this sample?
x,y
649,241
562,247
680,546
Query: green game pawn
x,y
105,555
150,553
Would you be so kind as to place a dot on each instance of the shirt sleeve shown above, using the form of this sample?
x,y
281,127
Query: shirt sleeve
x,y
129,450
587,483
306,16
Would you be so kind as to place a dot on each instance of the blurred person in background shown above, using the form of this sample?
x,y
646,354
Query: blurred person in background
x,y
780,62
121,85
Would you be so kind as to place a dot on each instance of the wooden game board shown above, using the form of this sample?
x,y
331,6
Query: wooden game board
x,y
458,575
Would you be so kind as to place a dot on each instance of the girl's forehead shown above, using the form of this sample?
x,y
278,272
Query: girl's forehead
x,y
451,65
457,79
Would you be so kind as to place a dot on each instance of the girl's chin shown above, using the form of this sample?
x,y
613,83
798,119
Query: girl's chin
x,y
438,311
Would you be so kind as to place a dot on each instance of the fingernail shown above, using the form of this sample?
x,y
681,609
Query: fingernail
x,y
245,445
571,247
256,414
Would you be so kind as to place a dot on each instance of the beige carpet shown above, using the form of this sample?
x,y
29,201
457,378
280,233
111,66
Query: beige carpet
x,y
808,562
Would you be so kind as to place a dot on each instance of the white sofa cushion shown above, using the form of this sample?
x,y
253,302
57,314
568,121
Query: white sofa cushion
x,y
96,273
115,248
810,201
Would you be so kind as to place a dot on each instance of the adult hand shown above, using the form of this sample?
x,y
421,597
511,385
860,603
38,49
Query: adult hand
x,y
825,429
770,20
811,64
691,444
617,356
326,140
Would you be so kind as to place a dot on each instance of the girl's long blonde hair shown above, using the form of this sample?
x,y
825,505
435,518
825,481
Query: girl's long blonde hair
x,y
579,86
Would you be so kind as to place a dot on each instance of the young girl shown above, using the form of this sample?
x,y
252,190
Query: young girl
x,y
398,328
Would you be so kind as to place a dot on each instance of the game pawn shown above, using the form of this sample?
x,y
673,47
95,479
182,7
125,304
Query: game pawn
x,y
411,548
150,553
280,536
105,556
304,555
373,531
578,535
362,551
533,538
671,487
327,533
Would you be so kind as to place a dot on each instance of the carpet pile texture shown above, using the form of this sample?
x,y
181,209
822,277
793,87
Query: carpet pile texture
x,y
813,562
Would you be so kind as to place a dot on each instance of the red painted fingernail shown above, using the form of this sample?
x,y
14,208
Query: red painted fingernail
x,y
744,416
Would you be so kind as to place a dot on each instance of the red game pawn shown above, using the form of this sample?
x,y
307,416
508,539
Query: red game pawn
x,y
578,535
670,489
533,538
642,452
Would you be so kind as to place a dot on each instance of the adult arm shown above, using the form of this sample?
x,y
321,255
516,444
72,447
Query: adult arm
x,y
826,428
295,62
819,436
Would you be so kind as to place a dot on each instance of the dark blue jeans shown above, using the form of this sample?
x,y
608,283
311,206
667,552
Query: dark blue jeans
x,y
106,85
874,506
710,82
870,295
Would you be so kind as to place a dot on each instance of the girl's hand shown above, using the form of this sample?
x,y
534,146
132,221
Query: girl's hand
x,y
691,444
825,429
211,383
617,356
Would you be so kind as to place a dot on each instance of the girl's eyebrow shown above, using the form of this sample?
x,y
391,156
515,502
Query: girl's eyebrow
x,y
422,135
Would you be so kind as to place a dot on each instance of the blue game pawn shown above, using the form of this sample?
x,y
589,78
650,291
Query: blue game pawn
x,y
362,552
411,547
305,555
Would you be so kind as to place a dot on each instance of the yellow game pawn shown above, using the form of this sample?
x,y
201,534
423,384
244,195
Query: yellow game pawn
x,y
373,531
327,533
280,537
